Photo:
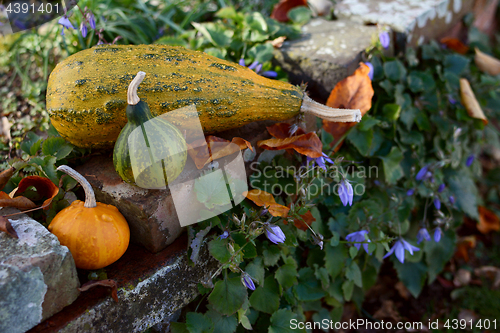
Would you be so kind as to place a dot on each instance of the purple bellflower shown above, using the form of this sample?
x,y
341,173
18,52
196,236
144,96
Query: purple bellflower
x,y
320,161
64,21
399,249
346,192
83,29
423,234
441,188
452,199
423,173
370,73
385,39
359,239
469,160
91,20
247,281
437,203
224,235
257,67
410,192
437,234
275,234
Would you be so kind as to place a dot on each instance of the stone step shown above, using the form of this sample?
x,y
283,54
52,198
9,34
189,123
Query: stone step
x,y
326,53
38,276
151,290
415,22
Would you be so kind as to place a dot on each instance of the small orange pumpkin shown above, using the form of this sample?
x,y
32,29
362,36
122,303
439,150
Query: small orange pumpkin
x,y
96,234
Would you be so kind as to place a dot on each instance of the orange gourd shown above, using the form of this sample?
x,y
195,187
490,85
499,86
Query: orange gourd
x,y
96,234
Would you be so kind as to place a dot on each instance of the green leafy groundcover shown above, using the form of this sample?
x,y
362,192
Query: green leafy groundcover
x,y
413,165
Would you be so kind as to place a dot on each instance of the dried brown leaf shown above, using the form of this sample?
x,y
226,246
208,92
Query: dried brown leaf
x,y
265,199
206,150
6,227
488,221
470,102
487,63
282,130
455,44
306,144
307,218
281,9
5,176
21,203
5,126
45,188
102,283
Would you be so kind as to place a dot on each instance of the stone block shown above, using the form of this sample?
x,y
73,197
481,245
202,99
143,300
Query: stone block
x,y
150,214
38,276
415,22
151,290
326,53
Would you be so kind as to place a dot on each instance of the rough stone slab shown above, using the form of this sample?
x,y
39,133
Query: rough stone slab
x,y
417,21
150,214
151,289
38,276
327,52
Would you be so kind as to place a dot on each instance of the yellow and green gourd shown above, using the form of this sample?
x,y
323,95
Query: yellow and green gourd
x,y
150,152
86,93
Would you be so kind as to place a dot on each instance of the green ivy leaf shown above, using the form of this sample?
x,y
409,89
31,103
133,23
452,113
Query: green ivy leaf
x,y
271,255
392,167
411,274
256,270
394,70
261,52
366,123
353,273
280,321
30,140
286,275
266,298
308,288
218,250
456,63
300,15
222,324
391,111
178,327
347,288
438,254
56,146
228,295
362,140
465,192
198,323
334,259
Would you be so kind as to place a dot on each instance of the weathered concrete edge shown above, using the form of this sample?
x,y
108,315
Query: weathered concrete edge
x,y
150,301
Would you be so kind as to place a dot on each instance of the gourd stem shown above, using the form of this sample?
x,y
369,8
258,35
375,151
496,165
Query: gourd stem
x,y
89,192
132,98
328,113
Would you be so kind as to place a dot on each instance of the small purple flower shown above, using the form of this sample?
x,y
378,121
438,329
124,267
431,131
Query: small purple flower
x,y
441,188
346,192
358,238
422,174
376,182
399,248
469,160
437,203
83,29
257,67
264,212
385,39
64,21
370,73
275,234
247,281
452,199
224,235
410,192
452,100
423,234
91,19
437,234
320,161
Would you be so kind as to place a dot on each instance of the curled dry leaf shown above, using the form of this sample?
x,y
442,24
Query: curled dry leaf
x,y
45,188
281,9
306,144
488,221
6,227
264,199
103,283
470,102
353,92
487,63
204,151
455,45
21,203
282,130
5,176
278,42
301,223
5,126
463,246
